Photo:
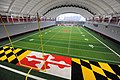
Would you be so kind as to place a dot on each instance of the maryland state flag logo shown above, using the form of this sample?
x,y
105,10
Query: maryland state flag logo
x,y
55,65
61,66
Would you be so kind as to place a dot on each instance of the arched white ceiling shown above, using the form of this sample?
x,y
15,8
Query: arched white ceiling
x,y
59,11
58,3
31,7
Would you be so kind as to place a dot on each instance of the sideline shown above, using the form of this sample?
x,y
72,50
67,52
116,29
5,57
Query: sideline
x,y
24,37
102,43
20,72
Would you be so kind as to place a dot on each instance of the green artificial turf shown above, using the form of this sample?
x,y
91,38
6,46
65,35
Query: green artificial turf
x,y
68,41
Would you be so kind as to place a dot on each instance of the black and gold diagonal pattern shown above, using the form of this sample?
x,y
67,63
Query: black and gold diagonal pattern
x,y
89,70
13,56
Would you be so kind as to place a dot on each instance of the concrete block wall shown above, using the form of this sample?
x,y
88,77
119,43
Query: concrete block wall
x,y
110,30
19,28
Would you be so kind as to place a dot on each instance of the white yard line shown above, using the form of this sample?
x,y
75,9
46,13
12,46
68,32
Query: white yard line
x,y
102,43
77,55
52,36
62,47
75,44
69,41
78,29
77,41
80,49
23,38
21,73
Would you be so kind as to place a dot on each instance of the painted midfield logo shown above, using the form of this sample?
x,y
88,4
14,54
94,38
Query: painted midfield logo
x,y
54,65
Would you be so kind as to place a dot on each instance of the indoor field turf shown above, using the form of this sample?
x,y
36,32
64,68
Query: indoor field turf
x,y
72,41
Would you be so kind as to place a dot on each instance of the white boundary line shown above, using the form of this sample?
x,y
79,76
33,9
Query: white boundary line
x,y
102,43
78,41
20,72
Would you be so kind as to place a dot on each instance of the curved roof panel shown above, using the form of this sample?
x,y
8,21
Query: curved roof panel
x,y
31,7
